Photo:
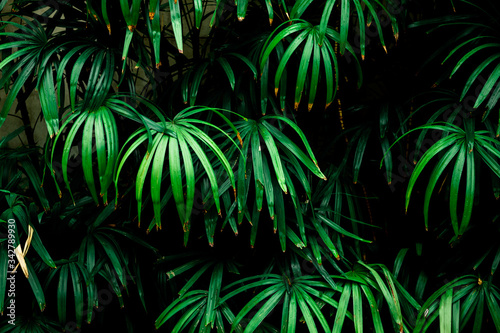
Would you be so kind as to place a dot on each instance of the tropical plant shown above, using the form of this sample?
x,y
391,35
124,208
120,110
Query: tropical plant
x,y
182,183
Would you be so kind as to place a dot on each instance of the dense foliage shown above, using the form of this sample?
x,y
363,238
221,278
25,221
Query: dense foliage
x,y
250,166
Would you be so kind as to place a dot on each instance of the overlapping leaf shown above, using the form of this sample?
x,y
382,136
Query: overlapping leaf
x,y
317,49
463,145
271,158
183,148
33,53
456,302
475,41
367,11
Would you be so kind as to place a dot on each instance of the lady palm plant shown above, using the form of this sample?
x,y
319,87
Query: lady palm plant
x,y
174,111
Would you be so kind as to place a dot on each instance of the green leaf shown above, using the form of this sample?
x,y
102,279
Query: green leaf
x,y
275,292
493,307
398,262
16,87
228,70
445,312
48,101
213,294
62,293
308,301
339,229
77,291
175,16
264,311
275,156
358,154
344,24
377,321
357,306
37,289
304,67
34,178
342,309
87,144
113,255
428,155
142,173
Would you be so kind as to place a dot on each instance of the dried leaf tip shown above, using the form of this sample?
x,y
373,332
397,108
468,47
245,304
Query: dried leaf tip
x,y
151,15
276,91
479,281
109,28
239,139
309,106
241,18
296,106
385,48
131,28
270,22
181,51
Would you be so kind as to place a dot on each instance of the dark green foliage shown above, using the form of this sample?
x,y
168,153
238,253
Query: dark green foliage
x,y
184,187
